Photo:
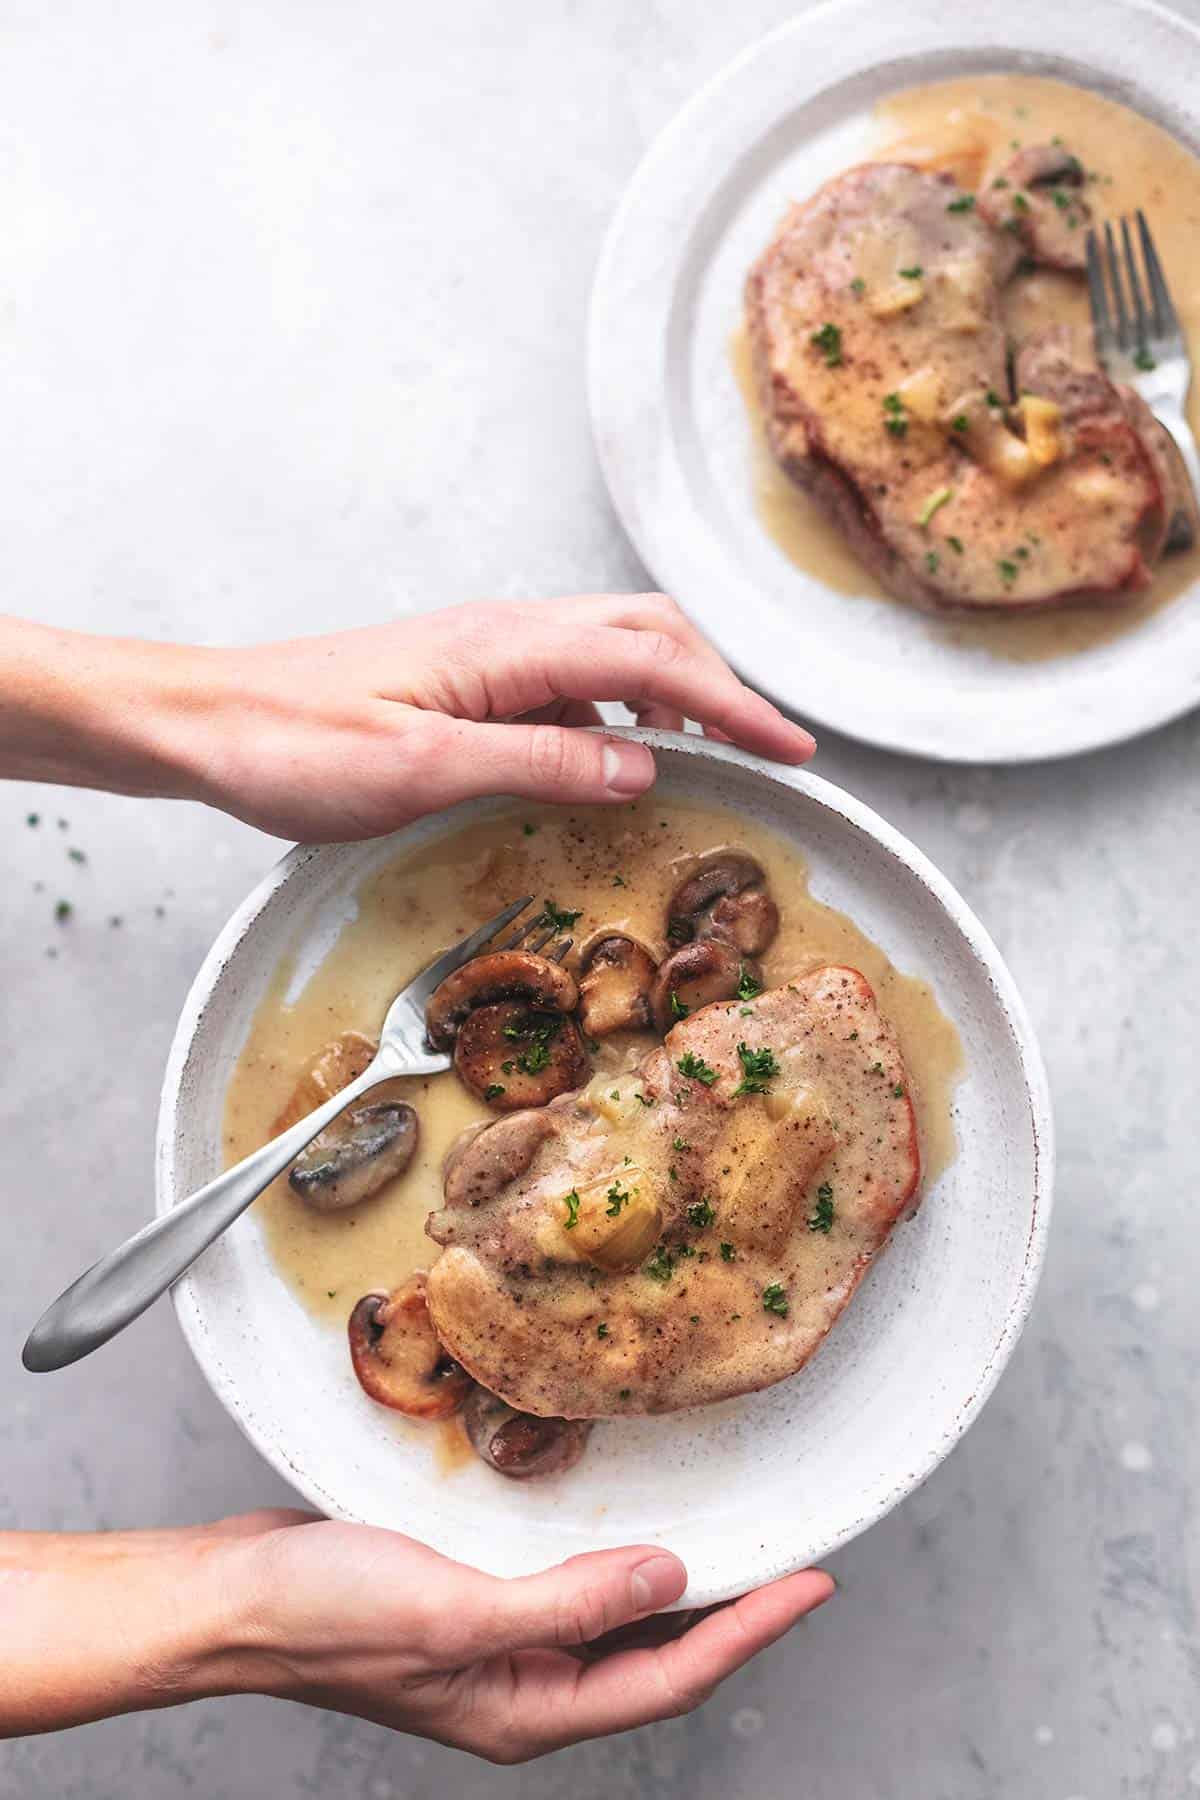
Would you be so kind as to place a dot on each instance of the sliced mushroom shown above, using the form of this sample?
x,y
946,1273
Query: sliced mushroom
x,y
504,975
726,897
696,975
721,872
483,1166
356,1156
1038,198
614,987
397,1356
513,1056
748,921
326,1074
518,1444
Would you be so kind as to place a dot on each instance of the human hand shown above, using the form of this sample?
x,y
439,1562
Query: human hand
x,y
355,734
369,1622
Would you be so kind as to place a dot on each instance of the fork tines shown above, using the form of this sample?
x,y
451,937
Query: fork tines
x,y
1141,320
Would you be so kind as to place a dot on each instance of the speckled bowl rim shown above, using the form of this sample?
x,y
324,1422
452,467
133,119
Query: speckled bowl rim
x,y
768,1562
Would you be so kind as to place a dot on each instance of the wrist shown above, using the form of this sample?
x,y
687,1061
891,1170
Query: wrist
x,y
115,713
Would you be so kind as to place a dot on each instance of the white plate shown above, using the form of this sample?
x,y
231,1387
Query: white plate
x,y
671,428
822,1455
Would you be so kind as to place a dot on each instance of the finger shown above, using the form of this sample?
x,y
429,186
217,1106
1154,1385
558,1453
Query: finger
x,y
661,718
577,1601
538,664
636,1687
531,762
562,712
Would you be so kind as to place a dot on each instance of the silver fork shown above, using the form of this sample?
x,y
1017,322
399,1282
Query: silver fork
x,y
118,1288
1140,340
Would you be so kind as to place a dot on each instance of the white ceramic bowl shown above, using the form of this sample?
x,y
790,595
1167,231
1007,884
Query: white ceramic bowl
x,y
744,1490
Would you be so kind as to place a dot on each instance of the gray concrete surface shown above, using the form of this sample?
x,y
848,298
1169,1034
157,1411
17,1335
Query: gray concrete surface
x,y
291,311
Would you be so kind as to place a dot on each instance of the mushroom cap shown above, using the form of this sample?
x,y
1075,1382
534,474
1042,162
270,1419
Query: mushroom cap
x,y
482,1164
617,974
748,920
518,1444
694,976
397,1356
356,1156
502,975
514,1057
720,872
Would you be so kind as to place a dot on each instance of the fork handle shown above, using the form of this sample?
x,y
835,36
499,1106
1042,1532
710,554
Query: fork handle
x,y
118,1289
1171,417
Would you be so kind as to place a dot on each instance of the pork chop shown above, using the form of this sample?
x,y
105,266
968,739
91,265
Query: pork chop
x,y
882,364
687,1232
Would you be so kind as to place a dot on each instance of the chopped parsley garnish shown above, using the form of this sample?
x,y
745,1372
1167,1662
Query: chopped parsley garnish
x,y
775,1300
678,1143
1061,200
956,545
571,1202
618,881
931,561
898,1092
758,1067
63,910
934,503
617,1198
624,1393
993,398
747,987
528,829
821,1217
700,1213
727,1252
877,1068
602,1330
557,917
960,422
678,1009
616,1094
506,1068
858,285
493,1091
913,274
695,1068
661,1265
643,1100
964,203
999,182
895,420
1008,571
33,818
1020,203
829,342
535,1059
1144,360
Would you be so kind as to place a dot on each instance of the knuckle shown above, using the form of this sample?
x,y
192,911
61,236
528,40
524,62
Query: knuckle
x,y
582,1616
661,647
552,756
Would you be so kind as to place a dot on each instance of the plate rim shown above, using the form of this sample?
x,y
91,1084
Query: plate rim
x,y
756,1564
605,362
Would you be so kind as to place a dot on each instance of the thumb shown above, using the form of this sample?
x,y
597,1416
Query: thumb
x,y
546,762
581,1599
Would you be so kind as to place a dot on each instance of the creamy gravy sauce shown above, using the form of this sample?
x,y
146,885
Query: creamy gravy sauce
x,y
967,126
619,865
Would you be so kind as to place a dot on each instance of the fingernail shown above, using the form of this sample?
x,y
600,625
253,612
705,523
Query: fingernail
x,y
627,768
656,1582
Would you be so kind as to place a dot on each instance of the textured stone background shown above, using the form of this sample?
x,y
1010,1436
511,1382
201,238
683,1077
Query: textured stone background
x,y
291,313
